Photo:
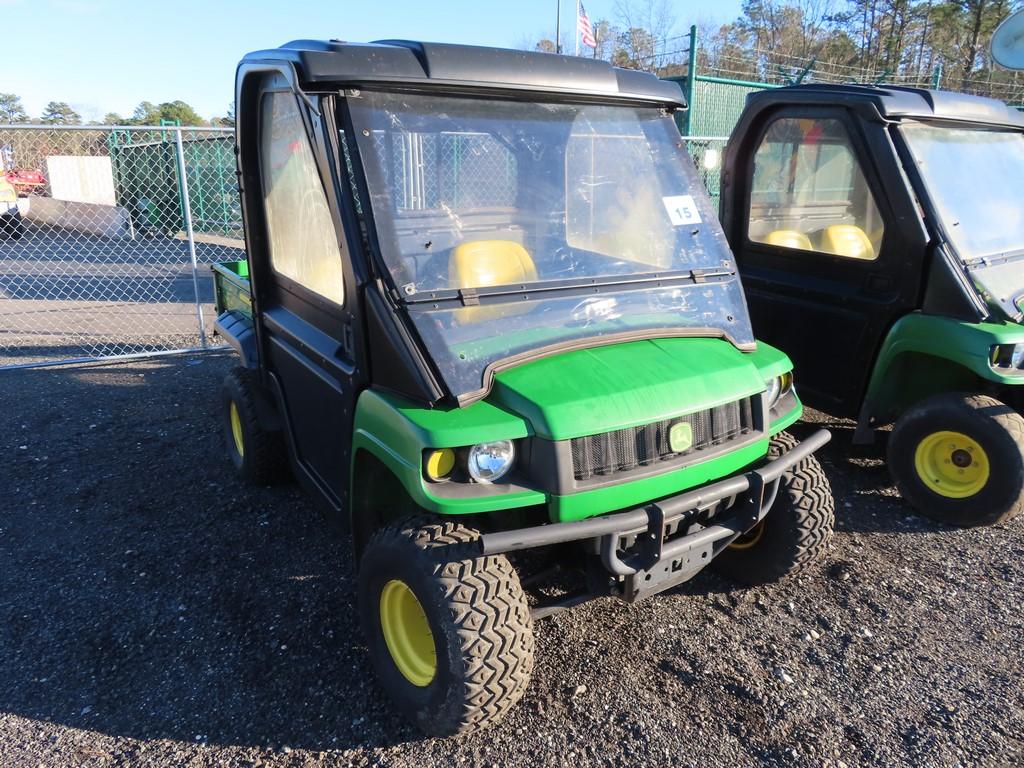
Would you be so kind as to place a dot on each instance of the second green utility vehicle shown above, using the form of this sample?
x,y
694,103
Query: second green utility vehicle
x,y
490,319
880,235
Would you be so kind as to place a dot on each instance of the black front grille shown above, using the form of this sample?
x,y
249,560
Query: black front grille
x,y
626,449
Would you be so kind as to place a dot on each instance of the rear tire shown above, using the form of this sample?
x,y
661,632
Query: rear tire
x,y
258,454
959,459
797,530
471,653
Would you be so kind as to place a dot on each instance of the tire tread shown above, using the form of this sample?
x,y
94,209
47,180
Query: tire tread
x,y
491,616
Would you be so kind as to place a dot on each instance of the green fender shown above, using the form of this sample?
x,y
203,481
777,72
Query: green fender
x,y
923,355
396,432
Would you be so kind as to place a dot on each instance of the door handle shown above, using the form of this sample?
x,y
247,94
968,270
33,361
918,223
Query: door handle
x,y
348,339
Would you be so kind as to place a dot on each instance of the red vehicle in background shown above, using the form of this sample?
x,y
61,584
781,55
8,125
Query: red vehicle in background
x,y
27,182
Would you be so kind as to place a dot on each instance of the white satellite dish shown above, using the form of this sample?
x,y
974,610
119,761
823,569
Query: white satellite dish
x,y
1008,42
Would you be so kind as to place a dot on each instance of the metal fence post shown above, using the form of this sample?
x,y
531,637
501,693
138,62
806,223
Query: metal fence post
x,y
186,204
691,78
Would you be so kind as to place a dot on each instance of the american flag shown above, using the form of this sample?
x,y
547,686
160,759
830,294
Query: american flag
x,y
584,28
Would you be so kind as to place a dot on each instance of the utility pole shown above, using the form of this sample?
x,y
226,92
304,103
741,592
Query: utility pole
x,y
576,27
558,26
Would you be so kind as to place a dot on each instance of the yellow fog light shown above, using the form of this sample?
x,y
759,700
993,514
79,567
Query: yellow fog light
x,y
785,384
440,463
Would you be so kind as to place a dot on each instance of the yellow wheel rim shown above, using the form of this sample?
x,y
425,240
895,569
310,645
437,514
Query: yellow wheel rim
x,y
236,428
749,539
407,633
951,464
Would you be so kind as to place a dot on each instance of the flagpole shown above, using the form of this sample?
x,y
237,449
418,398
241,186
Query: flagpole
x,y
558,26
577,35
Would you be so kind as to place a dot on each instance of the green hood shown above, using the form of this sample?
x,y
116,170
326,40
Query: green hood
x,y
588,391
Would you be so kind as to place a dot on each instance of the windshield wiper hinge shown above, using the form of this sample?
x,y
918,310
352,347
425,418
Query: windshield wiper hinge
x,y
469,297
702,275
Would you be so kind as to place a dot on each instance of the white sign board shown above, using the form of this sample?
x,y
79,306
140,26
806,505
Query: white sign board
x,y
81,179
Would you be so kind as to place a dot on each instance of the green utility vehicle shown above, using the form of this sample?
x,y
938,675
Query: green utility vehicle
x,y
490,319
880,235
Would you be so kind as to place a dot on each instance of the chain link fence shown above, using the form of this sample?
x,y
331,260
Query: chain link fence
x,y
106,251
459,170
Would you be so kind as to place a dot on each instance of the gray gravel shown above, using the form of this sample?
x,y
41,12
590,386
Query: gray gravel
x,y
154,612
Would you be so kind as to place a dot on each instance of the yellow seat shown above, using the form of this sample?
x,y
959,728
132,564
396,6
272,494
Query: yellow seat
x,y
485,263
847,240
789,238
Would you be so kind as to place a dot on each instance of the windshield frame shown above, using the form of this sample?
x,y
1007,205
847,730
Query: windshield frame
x,y
378,228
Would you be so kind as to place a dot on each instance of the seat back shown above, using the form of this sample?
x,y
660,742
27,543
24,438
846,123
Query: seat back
x,y
847,240
485,263
789,238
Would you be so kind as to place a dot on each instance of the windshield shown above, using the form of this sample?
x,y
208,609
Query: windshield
x,y
563,221
974,179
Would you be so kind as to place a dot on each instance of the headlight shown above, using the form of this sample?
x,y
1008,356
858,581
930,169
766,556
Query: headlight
x,y
779,387
488,462
1007,356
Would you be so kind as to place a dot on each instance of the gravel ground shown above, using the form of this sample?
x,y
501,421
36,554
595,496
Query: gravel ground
x,y
155,612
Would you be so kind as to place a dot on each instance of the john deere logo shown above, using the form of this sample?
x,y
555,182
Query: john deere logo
x,y
680,437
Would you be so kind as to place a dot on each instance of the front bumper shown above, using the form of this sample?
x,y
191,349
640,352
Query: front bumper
x,y
662,544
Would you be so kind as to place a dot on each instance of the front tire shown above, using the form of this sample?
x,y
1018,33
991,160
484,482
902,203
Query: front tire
x,y
449,631
797,530
959,459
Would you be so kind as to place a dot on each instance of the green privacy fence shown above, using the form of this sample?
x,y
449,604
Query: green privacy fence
x,y
147,180
706,152
717,104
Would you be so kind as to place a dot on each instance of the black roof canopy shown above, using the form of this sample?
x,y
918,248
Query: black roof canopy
x,y
891,102
415,64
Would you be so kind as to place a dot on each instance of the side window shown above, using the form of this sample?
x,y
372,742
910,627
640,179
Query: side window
x,y
303,242
809,192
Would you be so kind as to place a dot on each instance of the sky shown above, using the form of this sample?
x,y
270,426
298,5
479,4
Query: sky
x,y
105,56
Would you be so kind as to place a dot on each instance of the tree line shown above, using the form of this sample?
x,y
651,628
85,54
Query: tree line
x,y
918,42
147,113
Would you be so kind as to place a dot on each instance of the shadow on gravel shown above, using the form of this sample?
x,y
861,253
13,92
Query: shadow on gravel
x,y
145,593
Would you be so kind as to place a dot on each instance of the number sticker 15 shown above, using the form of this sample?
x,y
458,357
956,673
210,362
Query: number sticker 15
x,y
681,210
